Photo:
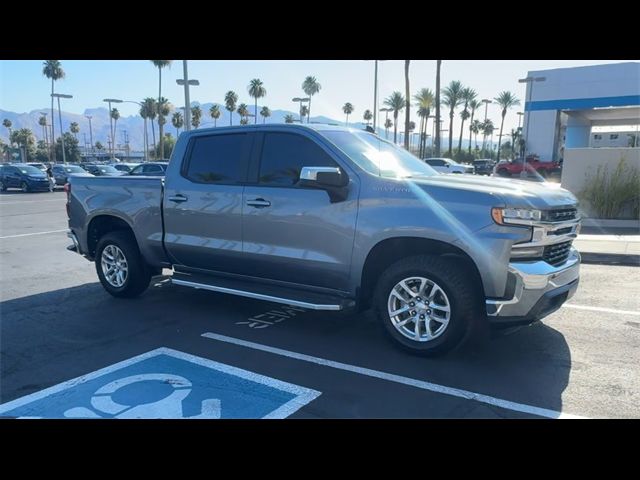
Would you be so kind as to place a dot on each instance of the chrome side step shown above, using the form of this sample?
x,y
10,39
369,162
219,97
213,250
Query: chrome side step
x,y
258,296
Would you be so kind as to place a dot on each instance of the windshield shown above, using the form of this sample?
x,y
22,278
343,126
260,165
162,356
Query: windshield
x,y
73,169
29,170
378,156
107,169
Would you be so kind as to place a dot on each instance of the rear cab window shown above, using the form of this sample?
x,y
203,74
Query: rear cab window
x,y
218,159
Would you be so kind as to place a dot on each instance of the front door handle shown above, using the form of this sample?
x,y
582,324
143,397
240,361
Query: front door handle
x,y
259,203
178,198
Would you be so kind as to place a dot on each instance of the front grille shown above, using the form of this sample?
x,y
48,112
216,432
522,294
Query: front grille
x,y
560,214
557,254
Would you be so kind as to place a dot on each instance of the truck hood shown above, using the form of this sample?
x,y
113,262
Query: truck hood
x,y
514,193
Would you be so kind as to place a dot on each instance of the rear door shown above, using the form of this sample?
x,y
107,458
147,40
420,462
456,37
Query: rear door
x,y
13,178
292,233
203,203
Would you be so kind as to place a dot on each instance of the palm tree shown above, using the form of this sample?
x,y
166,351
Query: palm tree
x,y
347,108
487,129
99,146
474,128
75,129
243,111
230,100
256,90
387,125
196,116
42,121
437,140
304,111
424,99
396,102
265,112
115,114
468,95
164,109
310,87
474,104
407,109
53,69
452,97
368,116
288,118
215,113
160,64
149,110
177,121
7,124
506,100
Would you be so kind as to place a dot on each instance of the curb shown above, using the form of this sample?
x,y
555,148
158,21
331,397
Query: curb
x,y
610,259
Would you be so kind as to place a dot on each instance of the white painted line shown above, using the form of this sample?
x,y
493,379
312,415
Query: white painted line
x,y
303,395
35,233
600,309
59,200
432,387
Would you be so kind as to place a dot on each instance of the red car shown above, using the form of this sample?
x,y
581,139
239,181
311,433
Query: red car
x,y
508,168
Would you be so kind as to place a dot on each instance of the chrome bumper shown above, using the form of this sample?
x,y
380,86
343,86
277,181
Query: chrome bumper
x,y
539,289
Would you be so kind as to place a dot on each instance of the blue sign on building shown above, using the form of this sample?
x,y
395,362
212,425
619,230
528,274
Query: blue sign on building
x,y
164,383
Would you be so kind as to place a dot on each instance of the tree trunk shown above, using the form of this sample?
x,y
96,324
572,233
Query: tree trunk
x,y
309,113
53,131
407,106
437,126
461,130
470,132
421,134
256,112
451,132
160,126
395,127
231,118
504,113
153,132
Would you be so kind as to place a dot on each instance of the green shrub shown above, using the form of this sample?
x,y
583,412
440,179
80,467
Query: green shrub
x,y
609,194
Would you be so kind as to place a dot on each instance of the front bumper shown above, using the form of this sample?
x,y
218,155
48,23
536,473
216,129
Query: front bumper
x,y
535,290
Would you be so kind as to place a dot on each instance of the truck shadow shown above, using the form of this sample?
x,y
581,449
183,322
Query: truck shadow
x,y
51,337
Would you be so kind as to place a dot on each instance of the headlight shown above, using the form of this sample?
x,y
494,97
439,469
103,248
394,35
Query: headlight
x,y
504,216
527,252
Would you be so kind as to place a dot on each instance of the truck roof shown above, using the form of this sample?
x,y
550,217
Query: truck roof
x,y
278,126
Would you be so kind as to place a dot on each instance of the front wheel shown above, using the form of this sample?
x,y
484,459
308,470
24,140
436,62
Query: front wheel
x,y
120,267
24,187
3,187
426,304
503,172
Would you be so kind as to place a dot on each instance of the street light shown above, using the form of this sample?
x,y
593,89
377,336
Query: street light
x,y
299,99
89,117
527,109
187,102
59,96
113,140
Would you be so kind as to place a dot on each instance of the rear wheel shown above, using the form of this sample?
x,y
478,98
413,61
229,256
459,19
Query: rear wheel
x,y
426,304
120,267
24,187
503,172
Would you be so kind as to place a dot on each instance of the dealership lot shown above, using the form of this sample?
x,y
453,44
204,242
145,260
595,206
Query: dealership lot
x,y
57,324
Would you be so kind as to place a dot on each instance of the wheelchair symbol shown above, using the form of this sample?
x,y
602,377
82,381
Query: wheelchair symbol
x,y
168,407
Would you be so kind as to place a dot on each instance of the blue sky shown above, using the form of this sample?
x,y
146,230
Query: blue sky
x,y
23,88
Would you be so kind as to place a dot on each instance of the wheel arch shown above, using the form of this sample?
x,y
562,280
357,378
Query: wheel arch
x,y
102,224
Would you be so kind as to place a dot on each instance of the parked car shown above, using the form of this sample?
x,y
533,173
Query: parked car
x,y
150,169
124,167
483,166
532,165
446,165
103,170
40,166
23,176
61,173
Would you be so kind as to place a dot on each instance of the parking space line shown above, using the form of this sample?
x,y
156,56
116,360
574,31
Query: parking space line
x,y
432,387
600,309
60,200
34,233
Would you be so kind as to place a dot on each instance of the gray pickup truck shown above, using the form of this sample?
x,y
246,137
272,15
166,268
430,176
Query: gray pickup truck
x,y
330,218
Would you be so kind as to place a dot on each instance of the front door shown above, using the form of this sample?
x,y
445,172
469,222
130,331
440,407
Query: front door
x,y
203,203
291,233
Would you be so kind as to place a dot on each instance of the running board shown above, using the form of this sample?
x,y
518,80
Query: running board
x,y
287,296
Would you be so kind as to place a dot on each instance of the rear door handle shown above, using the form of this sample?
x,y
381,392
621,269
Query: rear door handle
x,y
178,198
259,203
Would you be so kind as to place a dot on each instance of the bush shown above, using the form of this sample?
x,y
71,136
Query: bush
x,y
609,194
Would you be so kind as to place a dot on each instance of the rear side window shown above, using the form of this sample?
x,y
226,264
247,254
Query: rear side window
x,y
436,163
152,169
284,155
218,159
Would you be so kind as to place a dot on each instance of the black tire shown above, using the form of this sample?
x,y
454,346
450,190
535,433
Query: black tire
x,y
3,188
138,275
24,187
454,281
542,172
503,172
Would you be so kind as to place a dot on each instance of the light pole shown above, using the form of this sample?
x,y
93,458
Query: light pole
x,y
59,96
386,111
113,140
299,99
375,94
89,117
527,108
433,130
187,102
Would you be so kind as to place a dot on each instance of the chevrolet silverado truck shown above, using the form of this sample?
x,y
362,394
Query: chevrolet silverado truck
x,y
330,218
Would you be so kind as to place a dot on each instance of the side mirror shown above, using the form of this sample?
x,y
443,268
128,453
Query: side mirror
x,y
331,179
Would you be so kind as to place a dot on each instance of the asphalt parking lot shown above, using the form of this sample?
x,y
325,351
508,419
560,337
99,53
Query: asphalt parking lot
x,y
57,323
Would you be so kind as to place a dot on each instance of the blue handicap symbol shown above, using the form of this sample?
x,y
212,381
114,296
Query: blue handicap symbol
x,y
164,383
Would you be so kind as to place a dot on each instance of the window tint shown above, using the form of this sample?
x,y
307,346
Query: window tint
x,y
435,163
218,159
284,155
152,168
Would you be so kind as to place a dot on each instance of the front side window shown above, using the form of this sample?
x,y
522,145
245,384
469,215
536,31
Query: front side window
x,y
218,159
284,155
436,163
152,168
